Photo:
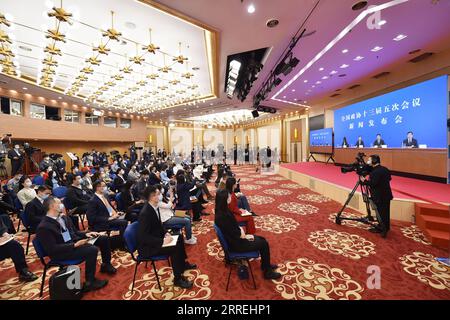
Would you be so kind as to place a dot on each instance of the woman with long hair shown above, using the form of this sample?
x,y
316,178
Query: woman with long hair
x,y
240,213
237,239
26,192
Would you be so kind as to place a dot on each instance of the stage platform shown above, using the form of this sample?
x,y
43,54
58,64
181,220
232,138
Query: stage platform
x,y
328,180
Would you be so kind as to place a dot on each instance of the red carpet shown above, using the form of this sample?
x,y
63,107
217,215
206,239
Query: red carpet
x,y
403,188
318,259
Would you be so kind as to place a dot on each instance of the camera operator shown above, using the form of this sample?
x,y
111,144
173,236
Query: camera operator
x,y
45,163
379,183
16,157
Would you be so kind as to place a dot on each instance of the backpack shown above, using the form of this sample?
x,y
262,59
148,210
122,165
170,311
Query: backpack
x,y
59,284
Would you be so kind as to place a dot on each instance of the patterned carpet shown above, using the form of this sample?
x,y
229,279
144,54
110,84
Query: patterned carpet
x,y
318,259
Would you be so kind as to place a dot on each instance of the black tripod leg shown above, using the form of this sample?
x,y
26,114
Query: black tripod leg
x,y
350,196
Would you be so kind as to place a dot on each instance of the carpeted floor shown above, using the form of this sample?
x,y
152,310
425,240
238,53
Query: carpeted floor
x,y
318,259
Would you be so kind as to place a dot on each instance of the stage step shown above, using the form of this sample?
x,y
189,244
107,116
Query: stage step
x,y
434,221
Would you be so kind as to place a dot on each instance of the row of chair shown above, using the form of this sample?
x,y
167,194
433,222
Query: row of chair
x,y
130,236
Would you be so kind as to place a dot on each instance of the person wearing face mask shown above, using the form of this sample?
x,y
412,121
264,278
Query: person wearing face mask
x,y
17,158
119,181
13,183
142,183
61,241
35,208
76,196
131,205
169,219
102,216
380,188
237,239
52,180
86,182
151,238
26,192
133,175
114,166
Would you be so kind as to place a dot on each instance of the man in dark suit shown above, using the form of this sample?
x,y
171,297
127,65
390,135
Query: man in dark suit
x,y
16,157
14,250
378,143
380,188
35,208
151,237
359,143
120,180
76,196
101,214
61,241
410,142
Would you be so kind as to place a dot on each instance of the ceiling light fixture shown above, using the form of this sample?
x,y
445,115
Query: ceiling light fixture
x,y
344,51
251,8
400,37
382,23
376,49
344,66
358,58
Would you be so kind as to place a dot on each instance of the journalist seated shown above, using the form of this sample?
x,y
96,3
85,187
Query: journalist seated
x,y
76,196
152,240
168,218
61,241
237,239
101,214
26,192
35,208
10,248
241,214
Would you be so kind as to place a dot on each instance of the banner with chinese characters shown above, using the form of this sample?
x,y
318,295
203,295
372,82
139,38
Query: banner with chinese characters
x,y
420,109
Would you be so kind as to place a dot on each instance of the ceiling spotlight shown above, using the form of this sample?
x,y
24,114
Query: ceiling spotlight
x,y
251,8
400,37
376,49
345,51
287,65
321,69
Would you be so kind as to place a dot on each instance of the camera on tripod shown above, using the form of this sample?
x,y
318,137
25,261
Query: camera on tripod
x,y
55,156
359,166
29,150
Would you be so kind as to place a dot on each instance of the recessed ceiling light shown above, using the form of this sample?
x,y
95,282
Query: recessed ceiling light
x,y
400,37
251,8
272,23
318,82
195,68
376,49
345,51
24,88
130,25
359,5
306,81
284,97
344,66
333,72
295,99
382,23
358,58
321,69
59,98
293,90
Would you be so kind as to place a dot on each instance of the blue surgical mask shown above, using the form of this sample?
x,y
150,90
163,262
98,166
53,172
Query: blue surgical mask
x,y
44,196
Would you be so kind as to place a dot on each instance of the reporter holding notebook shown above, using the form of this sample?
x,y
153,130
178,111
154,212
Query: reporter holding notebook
x,y
152,240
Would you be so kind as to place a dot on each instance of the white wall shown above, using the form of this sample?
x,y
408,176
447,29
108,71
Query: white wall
x,y
181,140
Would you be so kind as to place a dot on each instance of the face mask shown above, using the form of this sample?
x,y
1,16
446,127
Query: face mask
x,y
160,197
54,174
27,184
369,162
105,190
44,196
16,147
61,207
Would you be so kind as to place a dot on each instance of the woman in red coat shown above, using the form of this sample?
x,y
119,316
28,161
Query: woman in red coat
x,y
233,207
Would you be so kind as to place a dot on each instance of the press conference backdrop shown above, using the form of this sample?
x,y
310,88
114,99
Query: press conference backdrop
x,y
421,108
321,140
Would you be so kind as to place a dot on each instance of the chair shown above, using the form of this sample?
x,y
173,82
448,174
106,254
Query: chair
x,y
26,222
51,263
119,202
60,192
130,237
233,256
38,180
18,206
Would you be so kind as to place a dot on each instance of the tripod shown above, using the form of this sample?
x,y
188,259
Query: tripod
x,y
3,172
365,192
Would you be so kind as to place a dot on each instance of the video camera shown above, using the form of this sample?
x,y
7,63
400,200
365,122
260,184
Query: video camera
x,y
55,156
29,150
359,166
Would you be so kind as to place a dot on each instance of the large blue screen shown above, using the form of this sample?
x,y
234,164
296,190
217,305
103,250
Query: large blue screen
x,y
421,108
323,137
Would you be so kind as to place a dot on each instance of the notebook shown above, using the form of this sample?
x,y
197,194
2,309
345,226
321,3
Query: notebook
x,y
5,240
172,243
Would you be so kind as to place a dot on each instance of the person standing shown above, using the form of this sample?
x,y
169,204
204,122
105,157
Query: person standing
x,y
16,157
380,188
